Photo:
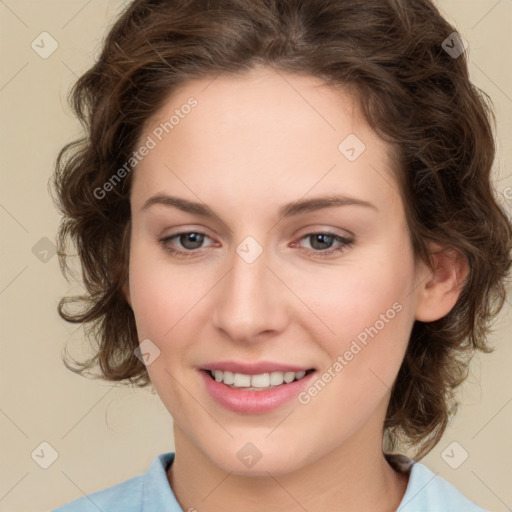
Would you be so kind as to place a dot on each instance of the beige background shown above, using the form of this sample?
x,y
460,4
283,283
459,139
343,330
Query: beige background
x,y
105,434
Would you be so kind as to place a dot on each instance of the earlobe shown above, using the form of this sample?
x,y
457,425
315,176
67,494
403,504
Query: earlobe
x,y
439,290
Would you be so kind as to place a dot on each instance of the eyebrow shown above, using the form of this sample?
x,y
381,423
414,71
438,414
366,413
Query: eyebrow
x,y
287,210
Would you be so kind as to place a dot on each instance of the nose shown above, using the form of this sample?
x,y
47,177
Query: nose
x,y
250,301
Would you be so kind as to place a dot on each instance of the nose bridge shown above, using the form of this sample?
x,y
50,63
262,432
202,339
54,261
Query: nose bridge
x,y
248,302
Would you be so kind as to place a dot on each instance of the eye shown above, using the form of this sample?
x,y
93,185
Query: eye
x,y
189,240
321,243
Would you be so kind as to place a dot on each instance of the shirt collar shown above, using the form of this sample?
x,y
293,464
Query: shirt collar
x,y
157,494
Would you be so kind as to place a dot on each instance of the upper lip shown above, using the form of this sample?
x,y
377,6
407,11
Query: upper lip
x,y
254,368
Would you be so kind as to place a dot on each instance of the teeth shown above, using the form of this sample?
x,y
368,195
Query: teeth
x,y
241,381
276,378
228,378
289,376
260,381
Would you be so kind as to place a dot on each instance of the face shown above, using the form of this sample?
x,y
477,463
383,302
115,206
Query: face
x,y
263,284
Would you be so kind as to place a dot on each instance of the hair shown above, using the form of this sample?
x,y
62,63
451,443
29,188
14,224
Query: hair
x,y
413,93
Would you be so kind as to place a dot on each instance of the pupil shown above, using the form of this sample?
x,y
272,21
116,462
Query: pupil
x,y
196,239
322,238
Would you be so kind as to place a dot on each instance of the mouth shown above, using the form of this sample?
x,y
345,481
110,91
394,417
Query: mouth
x,y
255,388
256,382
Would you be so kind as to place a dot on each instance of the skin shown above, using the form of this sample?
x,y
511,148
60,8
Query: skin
x,y
252,144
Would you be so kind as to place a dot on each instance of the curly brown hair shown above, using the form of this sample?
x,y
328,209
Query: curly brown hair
x,y
416,95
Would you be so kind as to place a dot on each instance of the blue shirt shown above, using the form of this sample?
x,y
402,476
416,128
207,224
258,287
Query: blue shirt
x,y
151,492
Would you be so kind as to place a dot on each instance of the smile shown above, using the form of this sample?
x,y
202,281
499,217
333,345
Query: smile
x,y
256,382
256,393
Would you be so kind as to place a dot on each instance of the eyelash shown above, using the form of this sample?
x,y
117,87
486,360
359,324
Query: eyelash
x,y
345,243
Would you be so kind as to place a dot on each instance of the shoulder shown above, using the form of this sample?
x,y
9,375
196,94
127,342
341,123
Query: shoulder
x,y
130,495
125,496
429,492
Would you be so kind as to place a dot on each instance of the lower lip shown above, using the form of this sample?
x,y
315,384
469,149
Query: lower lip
x,y
254,402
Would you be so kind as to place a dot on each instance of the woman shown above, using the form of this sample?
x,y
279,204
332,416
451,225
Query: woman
x,y
284,215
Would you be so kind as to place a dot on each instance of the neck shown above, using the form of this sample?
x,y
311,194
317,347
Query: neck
x,y
345,479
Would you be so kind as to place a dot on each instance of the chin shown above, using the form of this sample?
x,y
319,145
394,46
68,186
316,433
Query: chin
x,y
255,459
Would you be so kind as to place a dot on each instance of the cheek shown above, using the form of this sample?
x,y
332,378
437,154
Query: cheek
x,y
160,298
162,302
368,310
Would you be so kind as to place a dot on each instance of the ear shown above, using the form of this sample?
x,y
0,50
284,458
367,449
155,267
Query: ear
x,y
439,290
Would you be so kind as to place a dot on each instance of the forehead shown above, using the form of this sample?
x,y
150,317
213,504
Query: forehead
x,y
261,132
